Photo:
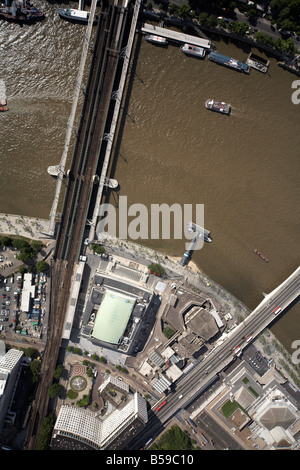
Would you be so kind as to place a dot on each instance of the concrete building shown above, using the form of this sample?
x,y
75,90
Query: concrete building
x,y
9,368
77,425
28,292
257,412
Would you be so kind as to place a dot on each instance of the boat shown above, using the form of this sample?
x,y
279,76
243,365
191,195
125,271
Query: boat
x,y
218,106
3,105
76,16
258,253
258,63
229,62
21,12
193,50
54,171
156,39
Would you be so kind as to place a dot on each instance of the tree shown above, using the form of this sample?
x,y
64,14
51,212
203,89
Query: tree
x,y
54,390
30,352
173,439
45,432
203,18
72,394
100,250
157,269
35,367
26,254
41,266
36,246
184,10
84,401
58,372
212,21
6,241
22,270
20,243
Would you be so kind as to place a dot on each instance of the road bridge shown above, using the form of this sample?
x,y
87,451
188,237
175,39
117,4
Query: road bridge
x,y
206,371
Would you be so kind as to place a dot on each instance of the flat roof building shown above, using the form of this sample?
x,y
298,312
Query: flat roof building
x,y
112,317
9,368
111,433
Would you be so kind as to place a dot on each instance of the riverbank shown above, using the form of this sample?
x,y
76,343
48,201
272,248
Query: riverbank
x,y
191,274
34,228
288,60
28,227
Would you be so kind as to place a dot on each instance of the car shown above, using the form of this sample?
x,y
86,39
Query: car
x,y
180,396
277,310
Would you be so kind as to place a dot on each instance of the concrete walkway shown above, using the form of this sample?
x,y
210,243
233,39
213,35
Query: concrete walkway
x,y
29,227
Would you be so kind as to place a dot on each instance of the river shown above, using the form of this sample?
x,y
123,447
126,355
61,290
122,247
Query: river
x,y
244,168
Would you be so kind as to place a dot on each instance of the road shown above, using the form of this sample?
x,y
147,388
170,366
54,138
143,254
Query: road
x,y
206,371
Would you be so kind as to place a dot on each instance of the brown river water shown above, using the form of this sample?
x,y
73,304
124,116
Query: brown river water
x,y
244,168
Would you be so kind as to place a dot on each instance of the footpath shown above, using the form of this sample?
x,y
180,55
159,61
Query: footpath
x,y
29,227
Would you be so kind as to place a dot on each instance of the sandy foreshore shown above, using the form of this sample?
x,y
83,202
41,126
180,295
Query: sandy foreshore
x,y
37,229
192,266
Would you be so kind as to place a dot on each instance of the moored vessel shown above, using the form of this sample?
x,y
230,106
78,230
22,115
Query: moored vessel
x,y
76,16
195,51
258,63
156,39
218,106
229,62
21,12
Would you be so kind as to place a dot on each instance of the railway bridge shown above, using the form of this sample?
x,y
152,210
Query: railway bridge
x,y
111,38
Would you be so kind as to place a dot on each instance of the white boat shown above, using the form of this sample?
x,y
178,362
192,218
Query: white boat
x,y
156,39
193,50
79,16
218,106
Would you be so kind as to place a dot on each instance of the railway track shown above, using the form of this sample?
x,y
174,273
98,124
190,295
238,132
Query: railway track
x,y
78,192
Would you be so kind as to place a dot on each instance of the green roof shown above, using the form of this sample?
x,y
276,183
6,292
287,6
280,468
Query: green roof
x,y
112,317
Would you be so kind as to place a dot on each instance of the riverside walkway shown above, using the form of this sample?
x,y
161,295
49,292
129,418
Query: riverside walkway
x,y
176,36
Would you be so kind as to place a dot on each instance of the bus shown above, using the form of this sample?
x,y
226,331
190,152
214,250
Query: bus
x,y
160,406
277,310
